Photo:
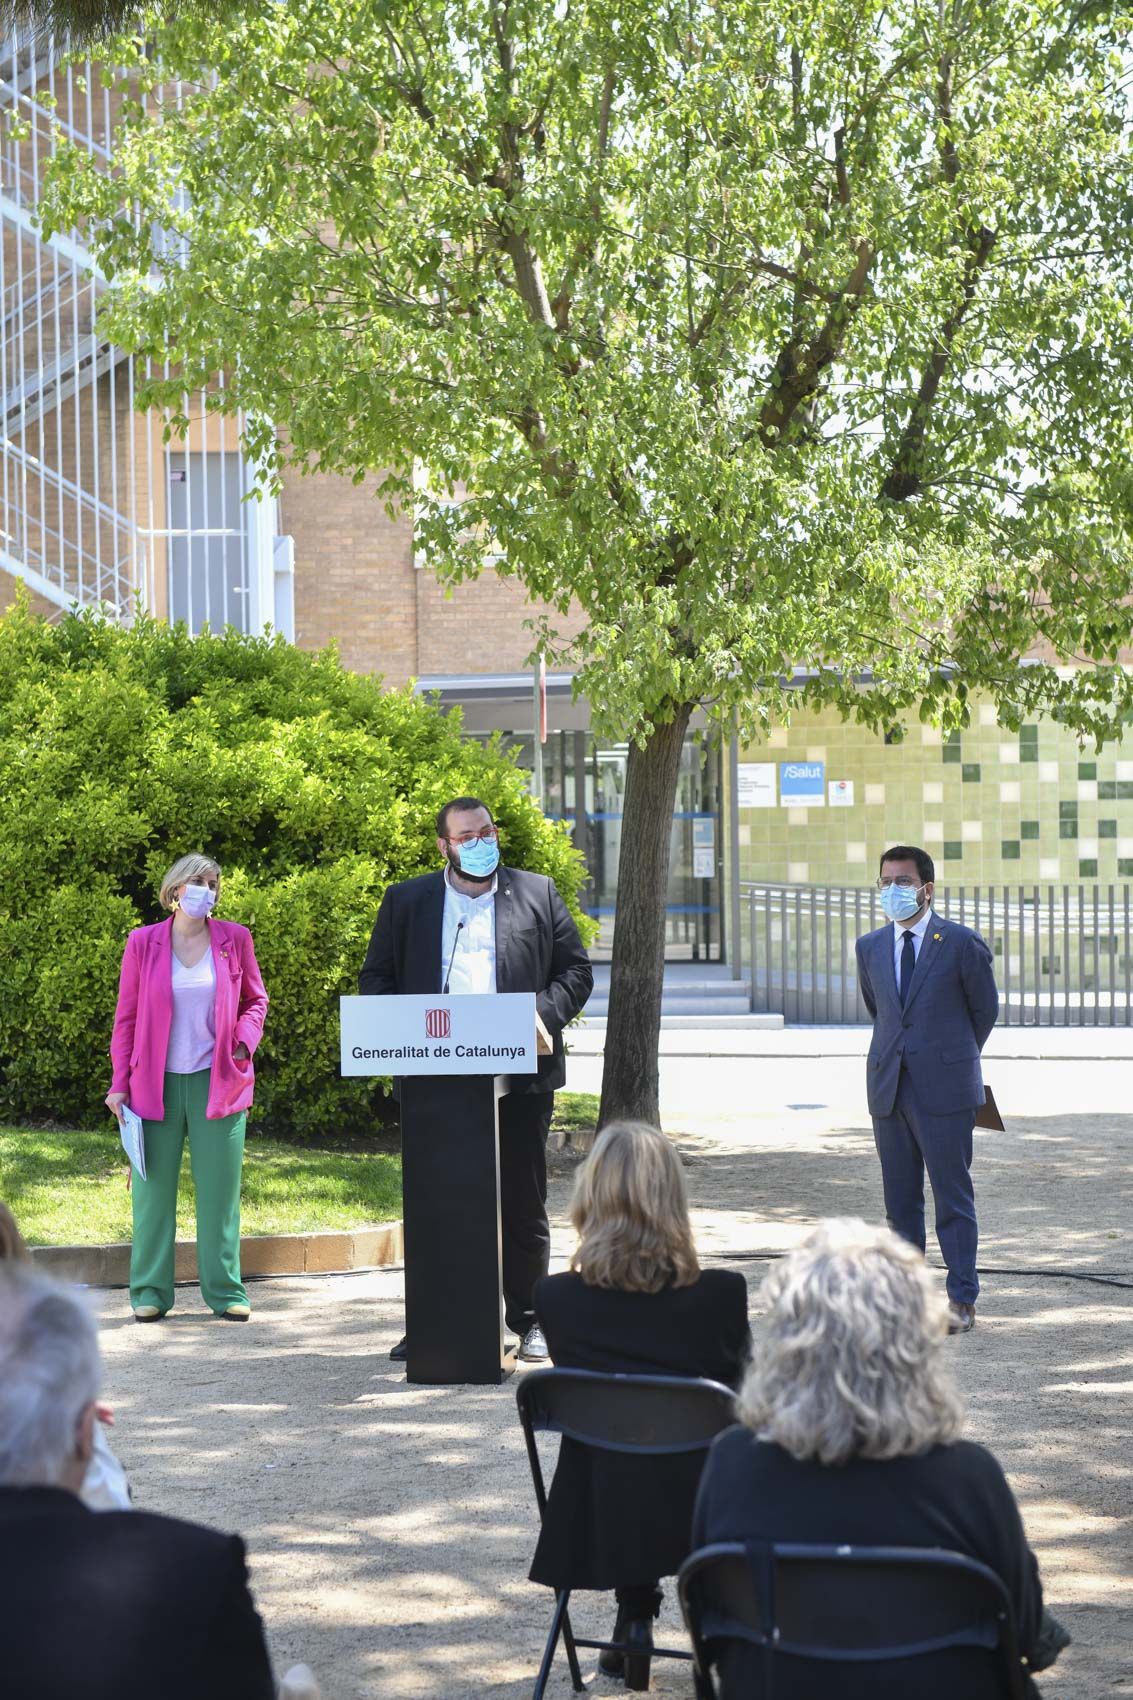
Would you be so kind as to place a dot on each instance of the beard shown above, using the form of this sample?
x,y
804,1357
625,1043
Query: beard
x,y
453,858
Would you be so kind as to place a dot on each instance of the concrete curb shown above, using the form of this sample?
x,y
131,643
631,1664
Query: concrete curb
x,y
324,1253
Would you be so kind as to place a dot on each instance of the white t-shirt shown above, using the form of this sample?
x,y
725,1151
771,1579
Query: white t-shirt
x,y
192,1033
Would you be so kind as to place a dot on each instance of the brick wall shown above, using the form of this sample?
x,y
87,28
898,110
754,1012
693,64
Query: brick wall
x,y
354,575
355,581
479,627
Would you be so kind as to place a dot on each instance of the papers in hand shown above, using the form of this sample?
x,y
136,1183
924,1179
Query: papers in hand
x,y
133,1139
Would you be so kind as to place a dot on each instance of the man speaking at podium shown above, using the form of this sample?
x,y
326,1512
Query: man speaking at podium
x,y
477,926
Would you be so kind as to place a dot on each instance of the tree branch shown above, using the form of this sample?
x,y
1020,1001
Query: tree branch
x,y
587,246
799,367
904,479
904,476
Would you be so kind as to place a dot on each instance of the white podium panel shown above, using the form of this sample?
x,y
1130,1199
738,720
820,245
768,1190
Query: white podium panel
x,y
489,1033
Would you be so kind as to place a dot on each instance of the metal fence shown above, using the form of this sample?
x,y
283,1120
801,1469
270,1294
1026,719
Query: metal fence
x,y
1063,954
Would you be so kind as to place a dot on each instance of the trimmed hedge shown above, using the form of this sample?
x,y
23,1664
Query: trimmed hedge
x,y
313,787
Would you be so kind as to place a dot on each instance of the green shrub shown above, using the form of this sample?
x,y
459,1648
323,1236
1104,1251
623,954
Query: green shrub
x,y
313,787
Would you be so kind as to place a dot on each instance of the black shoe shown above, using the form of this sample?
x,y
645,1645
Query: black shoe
x,y
636,1634
639,1637
533,1348
613,1663
400,1351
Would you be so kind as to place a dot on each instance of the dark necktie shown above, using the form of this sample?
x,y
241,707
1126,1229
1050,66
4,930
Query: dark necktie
x,y
908,963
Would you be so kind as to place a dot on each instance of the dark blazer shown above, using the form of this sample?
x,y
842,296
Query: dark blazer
x,y
122,1605
537,950
952,1496
612,1520
940,1032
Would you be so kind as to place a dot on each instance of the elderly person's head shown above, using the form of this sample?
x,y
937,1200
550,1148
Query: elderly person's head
x,y
849,1363
631,1213
49,1375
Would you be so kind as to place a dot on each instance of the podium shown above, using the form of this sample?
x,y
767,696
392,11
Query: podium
x,y
452,1056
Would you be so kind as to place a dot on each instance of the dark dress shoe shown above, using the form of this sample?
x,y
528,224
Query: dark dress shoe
x,y
636,1635
961,1318
400,1351
639,1640
533,1349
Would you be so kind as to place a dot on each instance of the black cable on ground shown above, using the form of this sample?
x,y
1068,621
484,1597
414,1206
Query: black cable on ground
x,y
1106,1279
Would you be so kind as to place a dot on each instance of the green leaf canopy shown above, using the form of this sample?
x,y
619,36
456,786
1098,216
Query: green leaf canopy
x,y
772,333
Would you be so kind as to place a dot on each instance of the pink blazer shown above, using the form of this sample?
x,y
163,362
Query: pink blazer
x,y
140,1042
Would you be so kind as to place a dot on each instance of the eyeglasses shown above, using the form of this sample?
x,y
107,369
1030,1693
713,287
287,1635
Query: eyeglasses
x,y
904,881
488,836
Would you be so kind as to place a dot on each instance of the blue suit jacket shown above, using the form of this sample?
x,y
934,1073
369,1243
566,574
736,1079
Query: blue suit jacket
x,y
941,1030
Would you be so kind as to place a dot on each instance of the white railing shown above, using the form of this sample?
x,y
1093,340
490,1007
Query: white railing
x,y
1063,953
94,501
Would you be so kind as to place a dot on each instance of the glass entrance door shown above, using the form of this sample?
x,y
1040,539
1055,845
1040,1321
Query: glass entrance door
x,y
584,784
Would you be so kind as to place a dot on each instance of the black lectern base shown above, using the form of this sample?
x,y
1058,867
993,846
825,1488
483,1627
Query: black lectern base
x,y
450,1168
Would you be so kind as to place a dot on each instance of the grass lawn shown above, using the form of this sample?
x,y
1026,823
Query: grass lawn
x,y
68,1187
576,1112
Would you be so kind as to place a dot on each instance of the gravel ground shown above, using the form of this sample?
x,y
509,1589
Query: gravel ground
x,y
390,1527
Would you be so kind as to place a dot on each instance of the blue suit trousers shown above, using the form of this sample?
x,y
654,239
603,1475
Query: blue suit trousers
x,y
910,1140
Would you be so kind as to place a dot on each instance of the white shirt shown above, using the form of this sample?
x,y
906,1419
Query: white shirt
x,y
918,930
474,962
192,1030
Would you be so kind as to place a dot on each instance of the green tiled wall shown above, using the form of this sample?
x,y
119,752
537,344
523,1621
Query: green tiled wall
x,y
988,805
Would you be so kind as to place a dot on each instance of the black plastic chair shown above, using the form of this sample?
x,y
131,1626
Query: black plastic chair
x,y
643,1414
845,1605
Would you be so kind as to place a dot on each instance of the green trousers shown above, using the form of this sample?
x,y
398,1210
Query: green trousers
x,y
216,1154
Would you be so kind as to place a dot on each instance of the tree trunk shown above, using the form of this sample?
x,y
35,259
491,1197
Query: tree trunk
x,y
629,1078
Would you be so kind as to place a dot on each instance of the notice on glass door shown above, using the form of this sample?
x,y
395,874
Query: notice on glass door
x,y
755,785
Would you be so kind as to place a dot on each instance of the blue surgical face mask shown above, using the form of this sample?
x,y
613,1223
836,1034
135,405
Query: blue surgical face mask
x,y
901,902
479,860
196,900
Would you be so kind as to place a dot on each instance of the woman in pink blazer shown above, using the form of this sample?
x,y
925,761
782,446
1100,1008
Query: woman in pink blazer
x,y
191,1008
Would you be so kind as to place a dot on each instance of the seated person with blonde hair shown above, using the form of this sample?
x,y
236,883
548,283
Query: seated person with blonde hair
x,y
635,1301
850,1434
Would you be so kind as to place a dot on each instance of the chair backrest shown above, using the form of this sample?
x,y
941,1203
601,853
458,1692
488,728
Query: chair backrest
x,y
644,1414
849,1604
626,1413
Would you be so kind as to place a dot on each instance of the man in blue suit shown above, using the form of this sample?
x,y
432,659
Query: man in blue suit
x,y
929,985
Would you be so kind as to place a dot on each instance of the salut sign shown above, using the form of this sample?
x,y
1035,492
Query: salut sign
x,y
489,1034
802,782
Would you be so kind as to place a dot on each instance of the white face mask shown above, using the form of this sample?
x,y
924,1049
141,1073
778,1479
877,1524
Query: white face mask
x,y
196,901
901,902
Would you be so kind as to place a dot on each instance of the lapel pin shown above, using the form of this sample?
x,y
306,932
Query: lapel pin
x,y
936,935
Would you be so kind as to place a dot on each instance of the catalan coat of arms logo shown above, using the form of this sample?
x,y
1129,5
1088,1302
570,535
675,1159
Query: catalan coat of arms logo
x,y
438,1023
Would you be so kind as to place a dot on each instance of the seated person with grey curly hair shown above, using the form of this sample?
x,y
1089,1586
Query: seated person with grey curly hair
x,y
849,1433
115,1604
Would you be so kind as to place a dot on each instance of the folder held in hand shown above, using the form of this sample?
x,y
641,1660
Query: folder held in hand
x,y
133,1139
988,1113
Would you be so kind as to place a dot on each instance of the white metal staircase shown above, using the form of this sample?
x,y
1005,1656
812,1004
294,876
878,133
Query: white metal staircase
x,y
94,503
62,530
